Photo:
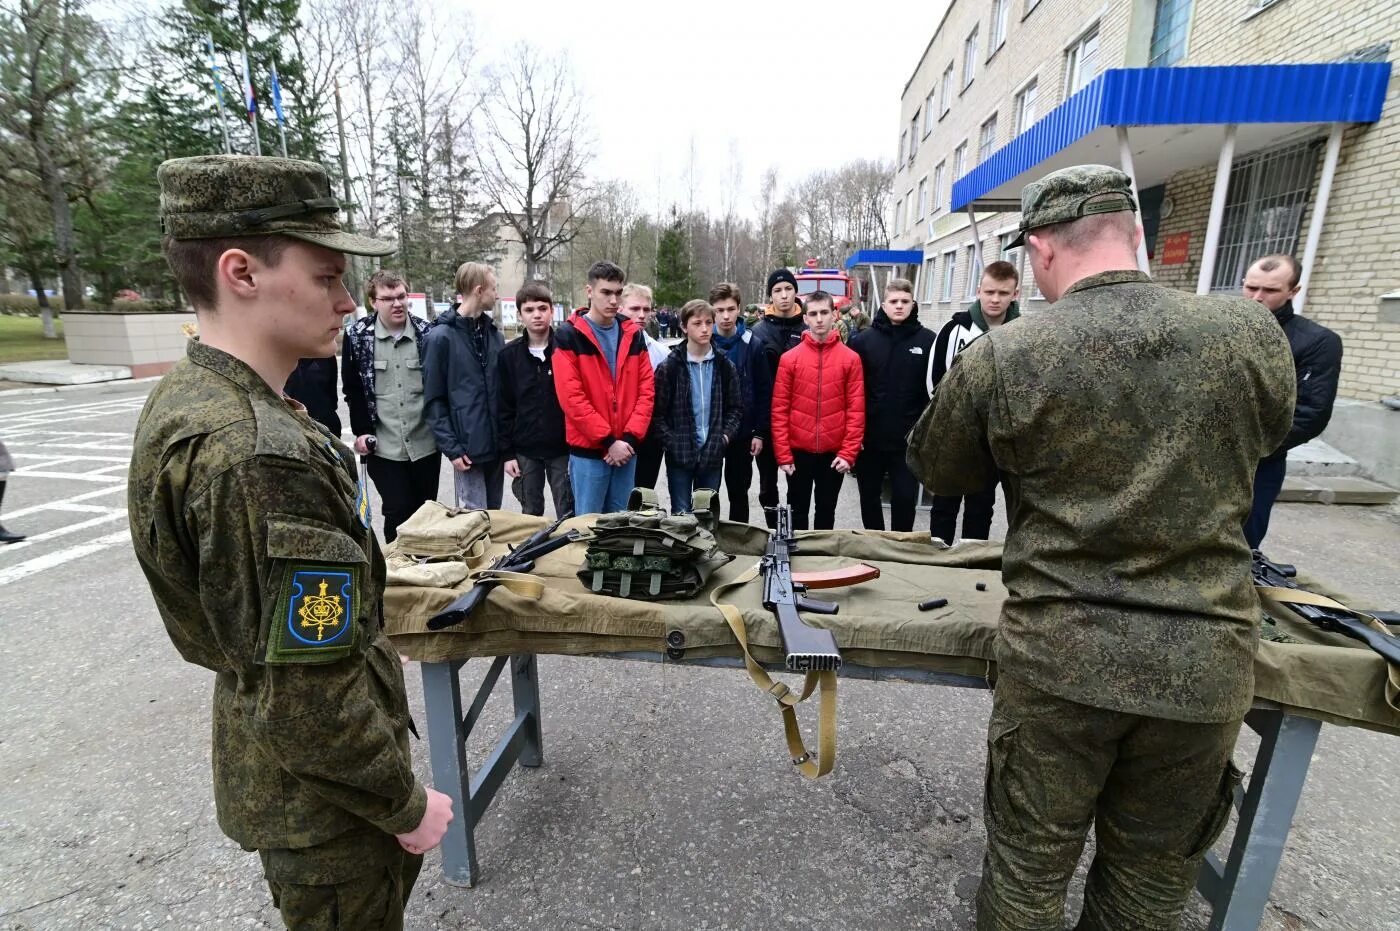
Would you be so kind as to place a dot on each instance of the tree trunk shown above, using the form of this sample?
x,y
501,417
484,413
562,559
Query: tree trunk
x,y
63,244
36,281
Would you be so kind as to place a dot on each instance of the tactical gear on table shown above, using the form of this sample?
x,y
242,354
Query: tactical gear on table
x,y
645,553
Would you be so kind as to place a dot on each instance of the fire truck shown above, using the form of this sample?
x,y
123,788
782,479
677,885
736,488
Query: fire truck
x,y
833,281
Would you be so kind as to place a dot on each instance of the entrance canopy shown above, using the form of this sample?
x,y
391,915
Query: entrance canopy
x,y
1176,115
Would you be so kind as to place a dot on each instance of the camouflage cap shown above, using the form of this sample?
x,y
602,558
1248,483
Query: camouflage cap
x,y
214,196
1072,193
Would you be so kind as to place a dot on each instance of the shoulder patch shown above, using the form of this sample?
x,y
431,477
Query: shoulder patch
x,y
315,617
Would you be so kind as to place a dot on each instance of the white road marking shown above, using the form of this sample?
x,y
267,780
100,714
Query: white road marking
x,y
85,496
62,557
122,459
74,476
83,508
63,531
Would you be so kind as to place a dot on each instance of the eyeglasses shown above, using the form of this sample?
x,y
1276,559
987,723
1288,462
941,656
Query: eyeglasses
x,y
400,299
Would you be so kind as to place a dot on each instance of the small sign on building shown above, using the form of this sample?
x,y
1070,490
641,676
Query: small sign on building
x,y
1175,248
418,305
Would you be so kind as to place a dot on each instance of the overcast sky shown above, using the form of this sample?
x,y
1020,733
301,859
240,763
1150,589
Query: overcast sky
x,y
800,86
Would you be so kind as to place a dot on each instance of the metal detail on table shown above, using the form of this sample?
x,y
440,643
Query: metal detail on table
x,y
1238,892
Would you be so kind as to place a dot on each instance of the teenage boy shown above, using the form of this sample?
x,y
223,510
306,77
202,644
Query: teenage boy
x,y
699,406
894,354
995,306
779,330
605,387
818,415
245,519
460,356
532,424
637,307
382,370
741,347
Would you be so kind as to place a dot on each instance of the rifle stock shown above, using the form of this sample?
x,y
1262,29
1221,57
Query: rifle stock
x,y
520,559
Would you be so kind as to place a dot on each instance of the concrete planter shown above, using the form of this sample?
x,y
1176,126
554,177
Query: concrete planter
x,y
148,344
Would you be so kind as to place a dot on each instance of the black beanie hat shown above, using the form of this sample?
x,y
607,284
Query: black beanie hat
x,y
781,274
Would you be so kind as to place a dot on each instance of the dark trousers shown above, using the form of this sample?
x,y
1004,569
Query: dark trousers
x,y
813,470
373,901
768,483
1157,793
872,465
649,457
738,476
1268,482
529,487
403,487
977,515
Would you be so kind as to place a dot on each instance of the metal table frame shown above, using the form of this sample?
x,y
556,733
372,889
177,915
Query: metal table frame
x,y
1238,890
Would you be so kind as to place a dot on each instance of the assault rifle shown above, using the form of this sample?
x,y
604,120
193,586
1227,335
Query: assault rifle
x,y
807,648
1269,574
519,559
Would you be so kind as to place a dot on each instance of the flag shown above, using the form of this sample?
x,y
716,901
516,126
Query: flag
x,y
277,97
248,88
214,67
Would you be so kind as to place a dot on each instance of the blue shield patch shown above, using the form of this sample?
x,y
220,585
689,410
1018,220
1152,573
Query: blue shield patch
x,y
316,615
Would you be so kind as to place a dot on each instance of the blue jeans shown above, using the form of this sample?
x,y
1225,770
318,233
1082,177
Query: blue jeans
x,y
598,487
683,482
1268,482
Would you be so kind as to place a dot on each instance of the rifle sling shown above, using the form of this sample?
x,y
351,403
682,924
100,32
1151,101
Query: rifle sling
x,y
1272,596
807,765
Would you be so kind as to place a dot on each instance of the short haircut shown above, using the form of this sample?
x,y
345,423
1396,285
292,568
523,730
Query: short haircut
x,y
635,288
1271,263
1002,271
382,279
1080,234
532,292
605,271
726,291
470,276
696,308
899,284
816,296
194,262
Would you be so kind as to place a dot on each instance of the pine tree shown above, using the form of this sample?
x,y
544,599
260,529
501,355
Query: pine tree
x,y
675,276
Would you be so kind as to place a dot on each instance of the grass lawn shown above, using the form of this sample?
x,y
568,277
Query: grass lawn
x,y
22,340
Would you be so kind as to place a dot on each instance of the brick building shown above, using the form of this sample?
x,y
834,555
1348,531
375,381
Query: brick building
x,y
1249,126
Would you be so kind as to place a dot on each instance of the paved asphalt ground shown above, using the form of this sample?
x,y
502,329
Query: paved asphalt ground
x,y
664,801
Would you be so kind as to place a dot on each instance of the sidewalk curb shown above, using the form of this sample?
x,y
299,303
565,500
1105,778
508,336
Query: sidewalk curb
x,y
50,389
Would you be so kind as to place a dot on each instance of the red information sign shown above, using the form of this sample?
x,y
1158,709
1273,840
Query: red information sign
x,y
1175,248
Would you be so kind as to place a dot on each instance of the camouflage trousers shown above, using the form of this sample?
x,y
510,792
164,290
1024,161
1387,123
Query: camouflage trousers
x,y
321,890
1157,792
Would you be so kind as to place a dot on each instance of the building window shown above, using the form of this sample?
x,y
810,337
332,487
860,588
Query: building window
x,y
950,267
945,93
913,136
987,143
1025,107
928,112
1082,61
1030,5
929,283
923,197
909,202
898,217
959,160
1013,254
938,187
970,58
1169,32
903,147
1001,14
1268,194
974,272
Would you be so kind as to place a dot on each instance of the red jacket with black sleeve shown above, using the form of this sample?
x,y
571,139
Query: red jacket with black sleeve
x,y
598,408
818,400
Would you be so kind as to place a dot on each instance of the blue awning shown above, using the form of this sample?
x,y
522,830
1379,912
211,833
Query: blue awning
x,y
885,257
1175,108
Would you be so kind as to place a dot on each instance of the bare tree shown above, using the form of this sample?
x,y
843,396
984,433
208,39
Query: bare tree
x,y
730,186
534,153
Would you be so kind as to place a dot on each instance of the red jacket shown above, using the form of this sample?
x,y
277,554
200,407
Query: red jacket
x,y
598,408
818,400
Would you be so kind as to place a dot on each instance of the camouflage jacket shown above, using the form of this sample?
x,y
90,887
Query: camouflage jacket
x,y
246,519
1126,424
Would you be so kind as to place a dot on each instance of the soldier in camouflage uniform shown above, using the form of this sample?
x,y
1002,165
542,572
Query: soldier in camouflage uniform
x,y
1126,425
253,531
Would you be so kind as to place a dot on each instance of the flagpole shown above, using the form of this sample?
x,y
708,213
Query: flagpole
x,y
248,100
218,94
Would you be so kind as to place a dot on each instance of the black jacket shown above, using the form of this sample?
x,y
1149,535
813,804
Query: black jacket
x,y
460,357
1317,356
675,422
755,381
955,336
532,423
895,360
778,335
313,384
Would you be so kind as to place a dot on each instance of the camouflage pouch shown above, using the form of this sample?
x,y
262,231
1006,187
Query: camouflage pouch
x,y
647,554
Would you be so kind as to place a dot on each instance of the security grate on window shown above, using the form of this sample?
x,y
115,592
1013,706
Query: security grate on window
x,y
1268,195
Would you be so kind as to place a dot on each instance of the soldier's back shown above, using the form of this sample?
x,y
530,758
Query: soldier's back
x,y
1129,423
